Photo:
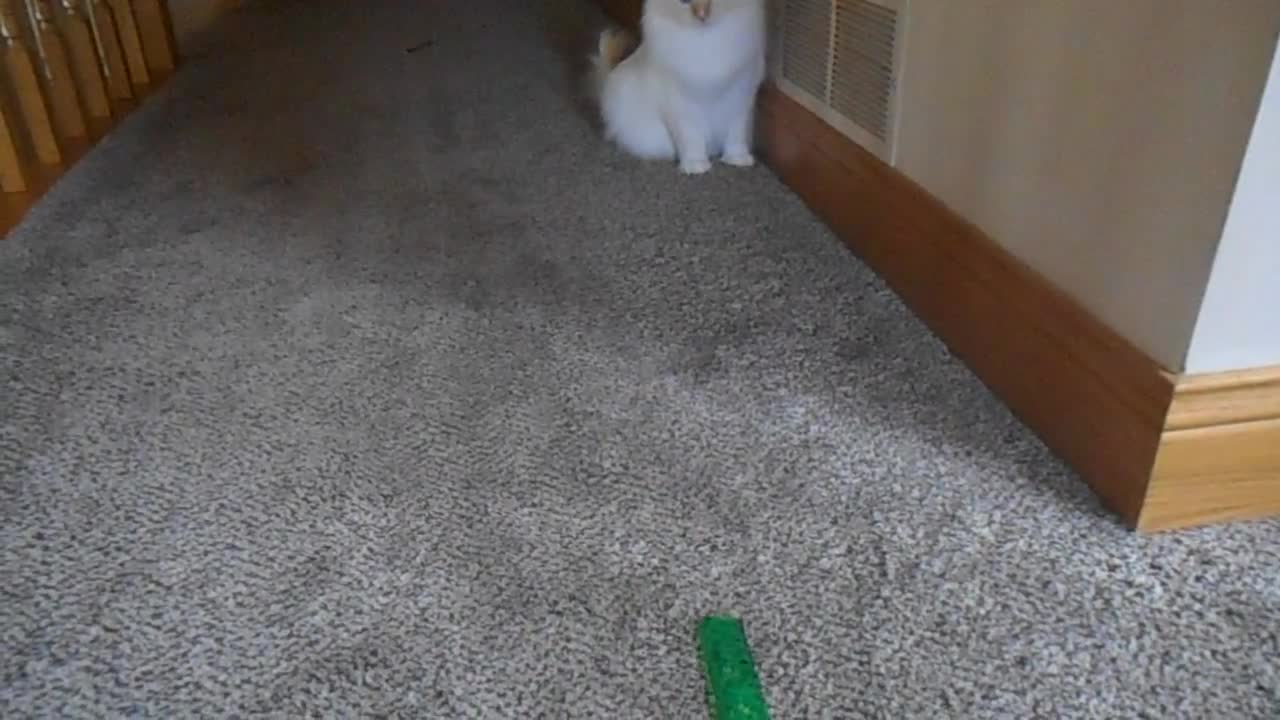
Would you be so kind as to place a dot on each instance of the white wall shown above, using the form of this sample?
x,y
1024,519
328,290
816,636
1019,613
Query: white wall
x,y
1098,140
1239,323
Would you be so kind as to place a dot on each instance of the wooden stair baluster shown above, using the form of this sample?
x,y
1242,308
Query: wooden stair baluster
x,y
68,69
157,42
131,43
111,52
59,82
22,76
82,56
13,172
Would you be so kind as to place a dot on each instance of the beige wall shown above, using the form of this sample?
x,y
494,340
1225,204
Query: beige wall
x,y
1098,140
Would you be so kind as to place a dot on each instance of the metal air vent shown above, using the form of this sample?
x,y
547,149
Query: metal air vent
x,y
842,60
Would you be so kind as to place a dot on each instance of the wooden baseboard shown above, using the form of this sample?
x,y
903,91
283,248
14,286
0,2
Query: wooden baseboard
x,y
1093,398
1161,450
1219,454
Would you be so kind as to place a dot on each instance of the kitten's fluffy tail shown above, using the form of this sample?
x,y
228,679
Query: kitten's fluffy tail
x,y
615,46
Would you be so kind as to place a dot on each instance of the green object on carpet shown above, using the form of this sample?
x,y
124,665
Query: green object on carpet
x,y
733,686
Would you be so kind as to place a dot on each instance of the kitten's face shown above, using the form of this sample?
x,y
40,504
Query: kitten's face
x,y
697,12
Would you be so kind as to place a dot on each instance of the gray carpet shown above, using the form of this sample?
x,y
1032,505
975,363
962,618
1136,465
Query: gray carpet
x,y
350,382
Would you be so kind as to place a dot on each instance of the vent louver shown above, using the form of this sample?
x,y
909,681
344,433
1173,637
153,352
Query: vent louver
x,y
841,59
806,33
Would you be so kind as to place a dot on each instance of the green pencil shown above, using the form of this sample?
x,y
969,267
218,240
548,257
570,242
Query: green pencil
x,y
733,687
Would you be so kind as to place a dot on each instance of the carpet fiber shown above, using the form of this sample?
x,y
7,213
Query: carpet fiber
x,y
348,381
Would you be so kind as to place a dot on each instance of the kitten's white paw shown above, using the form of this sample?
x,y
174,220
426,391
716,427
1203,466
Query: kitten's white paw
x,y
695,167
739,158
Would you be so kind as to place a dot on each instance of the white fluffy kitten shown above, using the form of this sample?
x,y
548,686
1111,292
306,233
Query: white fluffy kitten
x,y
688,91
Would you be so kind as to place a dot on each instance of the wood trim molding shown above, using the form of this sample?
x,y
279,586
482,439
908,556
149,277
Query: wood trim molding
x,y
1219,454
1057,367
1225,398
1160,449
